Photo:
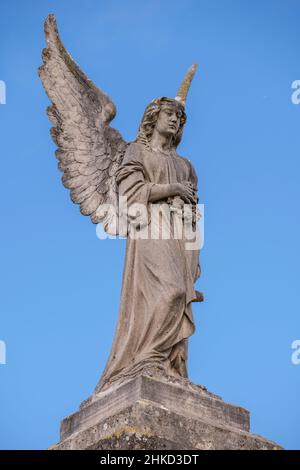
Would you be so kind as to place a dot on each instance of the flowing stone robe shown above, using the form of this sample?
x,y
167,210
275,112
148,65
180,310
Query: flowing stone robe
x,y
155,313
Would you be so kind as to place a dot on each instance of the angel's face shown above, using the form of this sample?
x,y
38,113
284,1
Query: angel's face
x,y
168,120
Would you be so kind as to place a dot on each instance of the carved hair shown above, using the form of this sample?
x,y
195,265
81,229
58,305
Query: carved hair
x,y
150,118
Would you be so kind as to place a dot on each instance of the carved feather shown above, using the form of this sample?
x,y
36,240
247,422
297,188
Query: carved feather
x,y
89,150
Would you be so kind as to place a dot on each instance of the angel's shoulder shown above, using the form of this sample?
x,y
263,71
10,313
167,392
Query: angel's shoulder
x,y
184,159
134,151
190,166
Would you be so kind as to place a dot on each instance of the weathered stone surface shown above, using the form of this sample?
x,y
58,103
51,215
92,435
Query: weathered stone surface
x,y
151,413
121,185
155,316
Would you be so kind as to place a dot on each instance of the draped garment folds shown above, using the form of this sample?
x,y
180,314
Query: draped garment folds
x,y
155,313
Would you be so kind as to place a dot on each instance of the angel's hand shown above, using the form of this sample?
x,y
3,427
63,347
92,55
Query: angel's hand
x,y
187,192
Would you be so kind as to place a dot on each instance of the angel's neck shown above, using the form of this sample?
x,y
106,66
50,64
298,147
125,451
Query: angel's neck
x,y
161,142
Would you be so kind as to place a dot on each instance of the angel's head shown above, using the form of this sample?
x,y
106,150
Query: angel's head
x,y
167,115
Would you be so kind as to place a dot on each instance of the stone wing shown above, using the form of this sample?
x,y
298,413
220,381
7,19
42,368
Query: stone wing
x,y
89,150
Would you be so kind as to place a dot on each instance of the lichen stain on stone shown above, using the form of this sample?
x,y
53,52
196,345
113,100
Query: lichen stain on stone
x,y
129,430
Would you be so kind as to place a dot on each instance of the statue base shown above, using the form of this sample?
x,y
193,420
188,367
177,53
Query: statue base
x,y
159,413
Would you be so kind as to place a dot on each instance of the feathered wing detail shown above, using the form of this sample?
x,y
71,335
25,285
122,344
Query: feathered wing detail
x,y
89,150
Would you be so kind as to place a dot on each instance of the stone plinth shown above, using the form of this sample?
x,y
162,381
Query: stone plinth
x,y
159,413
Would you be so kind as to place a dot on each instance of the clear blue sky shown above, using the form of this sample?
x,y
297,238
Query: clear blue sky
x,y
60,285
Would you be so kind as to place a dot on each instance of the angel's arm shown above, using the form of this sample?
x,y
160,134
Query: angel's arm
x,y
130,177
163,191
186,189
133,184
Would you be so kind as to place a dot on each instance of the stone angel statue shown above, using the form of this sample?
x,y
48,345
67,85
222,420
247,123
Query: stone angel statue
x,y
99,167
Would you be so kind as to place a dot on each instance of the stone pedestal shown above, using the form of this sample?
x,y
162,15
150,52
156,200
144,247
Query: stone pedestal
x,y
159,413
